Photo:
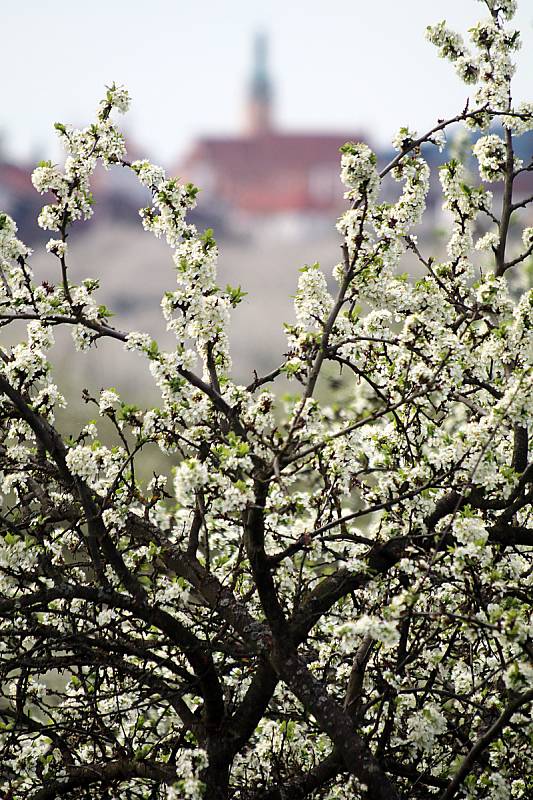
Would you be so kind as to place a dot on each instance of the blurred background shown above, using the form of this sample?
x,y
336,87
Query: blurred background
x,y
249,100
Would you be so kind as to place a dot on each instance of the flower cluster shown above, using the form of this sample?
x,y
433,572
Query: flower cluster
x,y
451,46
245,593
358,171
491,154
490,69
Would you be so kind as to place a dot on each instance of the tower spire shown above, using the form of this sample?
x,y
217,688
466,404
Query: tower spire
x,y
259,116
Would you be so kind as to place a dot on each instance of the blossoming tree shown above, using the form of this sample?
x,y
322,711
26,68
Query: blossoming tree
x,y
327,601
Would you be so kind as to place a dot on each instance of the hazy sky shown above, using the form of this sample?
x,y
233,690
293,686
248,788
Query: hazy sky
x,y
344,65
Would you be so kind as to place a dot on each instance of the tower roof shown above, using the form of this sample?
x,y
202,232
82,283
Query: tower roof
x,y
259,105
260,87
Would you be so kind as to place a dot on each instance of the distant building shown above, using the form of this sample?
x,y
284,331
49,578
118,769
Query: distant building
x,y
19,199
264,170
118,197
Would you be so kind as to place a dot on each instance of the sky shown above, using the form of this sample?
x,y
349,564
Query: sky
x,y
336,65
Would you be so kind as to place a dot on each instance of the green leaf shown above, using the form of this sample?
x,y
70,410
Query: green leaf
x,y
235,294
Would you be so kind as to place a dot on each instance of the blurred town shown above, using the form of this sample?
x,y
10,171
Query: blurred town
x,y
272,198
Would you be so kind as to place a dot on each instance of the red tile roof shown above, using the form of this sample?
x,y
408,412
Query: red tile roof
x,y
272,172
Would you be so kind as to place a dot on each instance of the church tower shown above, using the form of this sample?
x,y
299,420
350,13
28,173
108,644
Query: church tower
x,y
259,107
